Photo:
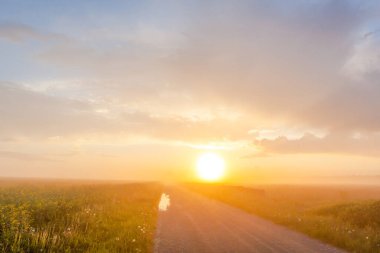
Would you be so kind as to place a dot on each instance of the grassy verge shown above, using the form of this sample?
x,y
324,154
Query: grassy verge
x,y
339,216
55,217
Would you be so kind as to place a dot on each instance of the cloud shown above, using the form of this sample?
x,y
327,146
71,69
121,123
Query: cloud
x,y
290,134
342,143
265,59
25,112
16,32
24,156
365,58
219,71
34,114
349,108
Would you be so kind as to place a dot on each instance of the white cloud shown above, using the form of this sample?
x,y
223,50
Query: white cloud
x,y
284,132
365,58
342,143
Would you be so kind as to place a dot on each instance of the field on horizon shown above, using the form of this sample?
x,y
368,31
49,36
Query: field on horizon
x,y
345,216
77,217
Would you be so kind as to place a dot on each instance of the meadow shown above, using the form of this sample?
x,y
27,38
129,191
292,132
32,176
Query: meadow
x,y
345,216
77,217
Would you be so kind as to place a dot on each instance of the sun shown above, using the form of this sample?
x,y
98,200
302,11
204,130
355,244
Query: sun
x,y
210,167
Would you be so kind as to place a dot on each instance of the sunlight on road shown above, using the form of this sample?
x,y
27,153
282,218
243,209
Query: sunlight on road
x,y
164,202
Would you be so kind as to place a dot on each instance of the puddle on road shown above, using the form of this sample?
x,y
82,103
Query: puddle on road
x,y
164,202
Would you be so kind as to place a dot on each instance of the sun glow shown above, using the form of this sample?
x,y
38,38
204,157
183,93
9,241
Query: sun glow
x,y
210,167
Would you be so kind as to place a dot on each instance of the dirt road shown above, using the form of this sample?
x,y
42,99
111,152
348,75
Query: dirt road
x,y
193,223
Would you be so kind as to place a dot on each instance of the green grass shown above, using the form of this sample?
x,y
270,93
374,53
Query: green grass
x,y
346,217
65,217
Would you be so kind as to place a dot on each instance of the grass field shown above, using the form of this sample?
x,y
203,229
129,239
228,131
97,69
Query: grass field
x,y
347,217
76,217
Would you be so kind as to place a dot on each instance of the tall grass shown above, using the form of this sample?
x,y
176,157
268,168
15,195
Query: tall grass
x,y
78,218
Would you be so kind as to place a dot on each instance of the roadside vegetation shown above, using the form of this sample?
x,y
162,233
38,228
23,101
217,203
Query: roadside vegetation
x,y
74,217
347,217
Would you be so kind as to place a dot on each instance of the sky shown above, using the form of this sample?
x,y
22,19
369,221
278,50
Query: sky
x,y
136,90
